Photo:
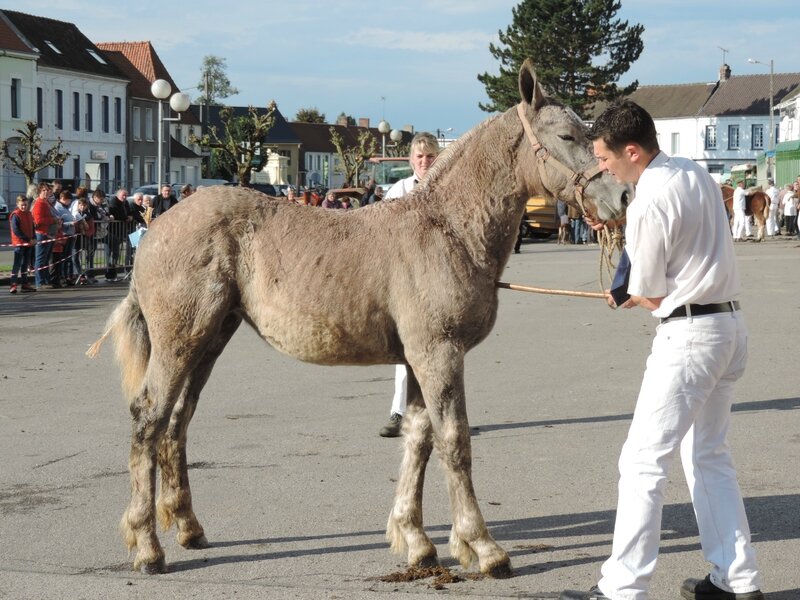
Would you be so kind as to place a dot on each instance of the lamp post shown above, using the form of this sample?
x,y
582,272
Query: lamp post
x,y
396,136
179,102
753,61
384,128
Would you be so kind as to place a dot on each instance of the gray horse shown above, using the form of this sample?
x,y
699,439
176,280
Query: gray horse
x,y
423,295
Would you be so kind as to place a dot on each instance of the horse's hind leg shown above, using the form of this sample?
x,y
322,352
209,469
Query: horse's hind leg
x,y
404,529
175,497
441,376
150,411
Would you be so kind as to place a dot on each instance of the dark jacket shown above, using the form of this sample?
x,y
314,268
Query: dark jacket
x,y
162,205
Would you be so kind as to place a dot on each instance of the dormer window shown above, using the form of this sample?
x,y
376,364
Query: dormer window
x,y
96,56
53,47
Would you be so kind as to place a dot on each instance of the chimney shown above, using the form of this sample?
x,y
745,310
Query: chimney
x,y
342,120
724,72
362,122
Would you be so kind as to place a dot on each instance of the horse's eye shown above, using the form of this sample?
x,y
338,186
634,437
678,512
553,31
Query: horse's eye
x,y
567,138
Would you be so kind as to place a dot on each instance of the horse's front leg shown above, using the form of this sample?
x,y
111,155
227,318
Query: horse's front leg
x,y
404,529
441,377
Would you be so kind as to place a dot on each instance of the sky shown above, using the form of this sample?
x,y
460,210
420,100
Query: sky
x,y
412,63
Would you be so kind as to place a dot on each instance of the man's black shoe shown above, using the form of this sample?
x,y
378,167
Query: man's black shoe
x,y
696,589
592,594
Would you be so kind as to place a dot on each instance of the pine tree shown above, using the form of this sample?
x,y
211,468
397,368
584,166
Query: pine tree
x,y
309,115
578,46
214,81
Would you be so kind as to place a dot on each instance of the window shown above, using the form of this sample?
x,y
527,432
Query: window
x,y
676,144
76,111
53,47
136,123
711,137
148,124
59,109
733,137
76,168
104,179
39,107
58,171
89,112
118,115
757,137
105,116
118,169
179,137
16,90
96,56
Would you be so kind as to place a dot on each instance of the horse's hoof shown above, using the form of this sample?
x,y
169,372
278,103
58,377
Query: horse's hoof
x,y
501,571
197,543
154,568
427,562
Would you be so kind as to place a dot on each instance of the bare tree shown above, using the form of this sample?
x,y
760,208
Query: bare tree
x,y
28,158
353,157
242,145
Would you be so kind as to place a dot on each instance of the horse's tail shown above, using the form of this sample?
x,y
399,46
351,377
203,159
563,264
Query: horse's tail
x,y
132,342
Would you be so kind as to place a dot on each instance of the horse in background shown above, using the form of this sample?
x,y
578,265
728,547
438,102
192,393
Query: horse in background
x,y
757,206
424,296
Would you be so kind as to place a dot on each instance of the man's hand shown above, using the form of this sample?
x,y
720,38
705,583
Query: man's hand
x,y
598,224
629,303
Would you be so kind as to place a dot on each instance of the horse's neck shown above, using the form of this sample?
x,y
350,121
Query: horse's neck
x,y
477,191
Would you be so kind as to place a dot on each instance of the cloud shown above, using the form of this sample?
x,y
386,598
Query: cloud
x,y
419,41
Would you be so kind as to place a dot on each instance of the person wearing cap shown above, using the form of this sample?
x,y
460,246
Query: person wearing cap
x,y
774,201
685,273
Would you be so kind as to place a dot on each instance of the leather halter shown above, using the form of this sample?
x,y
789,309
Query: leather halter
x,y
579,180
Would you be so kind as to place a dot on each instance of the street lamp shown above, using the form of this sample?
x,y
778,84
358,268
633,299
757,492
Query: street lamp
x,y
384,128
396,136
753,61
179,102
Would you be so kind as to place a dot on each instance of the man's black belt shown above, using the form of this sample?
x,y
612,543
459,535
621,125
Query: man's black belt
x,y
702,309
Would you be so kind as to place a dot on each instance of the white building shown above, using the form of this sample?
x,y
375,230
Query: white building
x,y
76,96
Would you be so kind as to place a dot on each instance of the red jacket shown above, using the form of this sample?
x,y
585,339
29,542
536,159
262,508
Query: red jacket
x,y
42,216
24,220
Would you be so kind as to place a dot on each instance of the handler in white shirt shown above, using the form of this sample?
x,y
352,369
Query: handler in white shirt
x,y
739,208
774,202
683,270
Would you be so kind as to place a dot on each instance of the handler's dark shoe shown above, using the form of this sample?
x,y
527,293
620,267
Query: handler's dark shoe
x,y
393,427
592,594
696,589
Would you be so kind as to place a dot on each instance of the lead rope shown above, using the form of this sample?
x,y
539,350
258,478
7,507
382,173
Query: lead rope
x,y
611,242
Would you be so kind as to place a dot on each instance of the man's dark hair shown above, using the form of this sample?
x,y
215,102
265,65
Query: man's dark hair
x,y
624,122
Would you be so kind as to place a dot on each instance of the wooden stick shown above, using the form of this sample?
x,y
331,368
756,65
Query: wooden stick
x,y
538,290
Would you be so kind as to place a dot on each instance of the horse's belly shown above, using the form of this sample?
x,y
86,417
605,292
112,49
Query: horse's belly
x,y
326,342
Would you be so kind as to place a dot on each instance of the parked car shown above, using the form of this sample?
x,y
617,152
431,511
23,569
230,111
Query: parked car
x,y
148,190
151,189
3,208
541,217
264,188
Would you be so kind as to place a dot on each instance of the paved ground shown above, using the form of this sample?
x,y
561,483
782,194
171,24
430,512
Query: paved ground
x,y
293,484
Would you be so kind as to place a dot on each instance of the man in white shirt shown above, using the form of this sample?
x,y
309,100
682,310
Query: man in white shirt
x,y
683,269
774,202
423,150
739,208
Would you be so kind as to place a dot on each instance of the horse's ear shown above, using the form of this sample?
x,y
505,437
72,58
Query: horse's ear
x,y
529,89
